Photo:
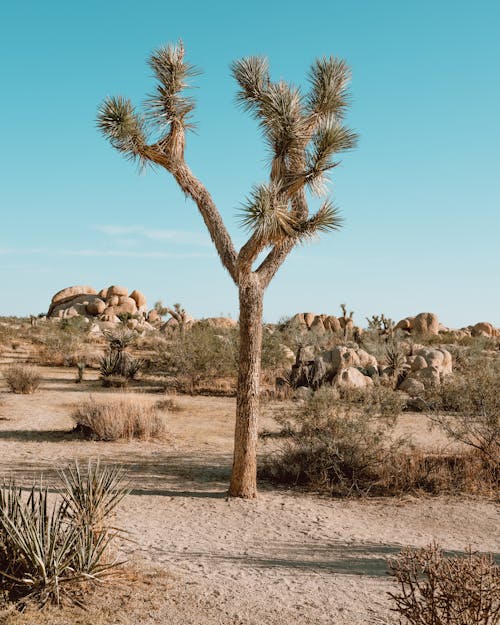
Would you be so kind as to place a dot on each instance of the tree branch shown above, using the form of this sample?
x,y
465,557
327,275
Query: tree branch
x,y
174,163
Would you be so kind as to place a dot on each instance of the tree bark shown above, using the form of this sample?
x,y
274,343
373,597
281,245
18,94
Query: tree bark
x,y
244,473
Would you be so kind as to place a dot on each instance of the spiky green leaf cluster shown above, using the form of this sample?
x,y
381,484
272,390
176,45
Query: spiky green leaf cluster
x,y
118,122
279,108
329,78
167,105
266,214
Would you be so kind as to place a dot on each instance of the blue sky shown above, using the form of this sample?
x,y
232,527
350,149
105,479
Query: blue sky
x,y
420,194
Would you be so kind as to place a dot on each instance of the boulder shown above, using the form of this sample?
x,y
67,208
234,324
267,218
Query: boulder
x,y
412,386
343,358
117,290
483,328
298,320
68,294
366,360
126,307
429,376
79,303
113,300
153,316
333,324
405,324
309,318
220,322
97,307
317,325
103,293
437,357
128,301
418,362
139,298
425,323
352,378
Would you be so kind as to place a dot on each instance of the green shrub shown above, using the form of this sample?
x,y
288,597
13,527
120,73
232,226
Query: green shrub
x,y
47,551
22,379
436,590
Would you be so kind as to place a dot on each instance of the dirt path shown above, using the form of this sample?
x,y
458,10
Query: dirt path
x,y
284,558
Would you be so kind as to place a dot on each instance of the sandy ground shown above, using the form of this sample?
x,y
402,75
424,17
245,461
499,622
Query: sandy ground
x,y
284,558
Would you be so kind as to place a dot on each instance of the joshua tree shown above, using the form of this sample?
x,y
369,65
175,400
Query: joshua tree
x,y
177,312
302,132
346,321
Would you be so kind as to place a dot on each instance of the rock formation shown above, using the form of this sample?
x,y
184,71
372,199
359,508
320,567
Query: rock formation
x,y
106,304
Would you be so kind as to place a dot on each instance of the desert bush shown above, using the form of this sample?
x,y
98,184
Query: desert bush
x,y
201,354
65,342
117,418
344,445
22,379
436,590
47,551
333,446
467,407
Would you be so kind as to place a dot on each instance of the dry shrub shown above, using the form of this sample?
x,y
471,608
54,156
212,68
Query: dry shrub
x,y
467,408
335,447
118,418
436,590
345,448
22,379
439,472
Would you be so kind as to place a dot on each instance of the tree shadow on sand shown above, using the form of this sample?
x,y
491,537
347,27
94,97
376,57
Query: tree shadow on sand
x,y
367,559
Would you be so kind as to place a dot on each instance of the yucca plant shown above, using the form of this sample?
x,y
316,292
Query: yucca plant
x,y
395,358
47,550
117,364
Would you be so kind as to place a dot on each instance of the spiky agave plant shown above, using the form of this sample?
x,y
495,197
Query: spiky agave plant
x,y
303,133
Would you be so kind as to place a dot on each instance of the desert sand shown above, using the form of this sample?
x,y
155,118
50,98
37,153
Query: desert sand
x,y
287,557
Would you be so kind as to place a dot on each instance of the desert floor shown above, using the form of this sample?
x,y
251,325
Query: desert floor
x,y
197,558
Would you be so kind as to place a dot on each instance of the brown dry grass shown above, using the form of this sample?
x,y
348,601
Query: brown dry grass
x,y
119,418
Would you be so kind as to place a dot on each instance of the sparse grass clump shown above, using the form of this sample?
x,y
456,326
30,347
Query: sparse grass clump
x,y
48,550
119,418
22,379
435,590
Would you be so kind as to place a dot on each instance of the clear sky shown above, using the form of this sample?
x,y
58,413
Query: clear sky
x,y
420,194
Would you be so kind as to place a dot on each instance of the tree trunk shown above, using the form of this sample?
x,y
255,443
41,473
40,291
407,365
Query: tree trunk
x,y
244,473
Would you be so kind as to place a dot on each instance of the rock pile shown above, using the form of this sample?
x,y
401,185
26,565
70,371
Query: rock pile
x,y
353,367
341,366
321,323
106,304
